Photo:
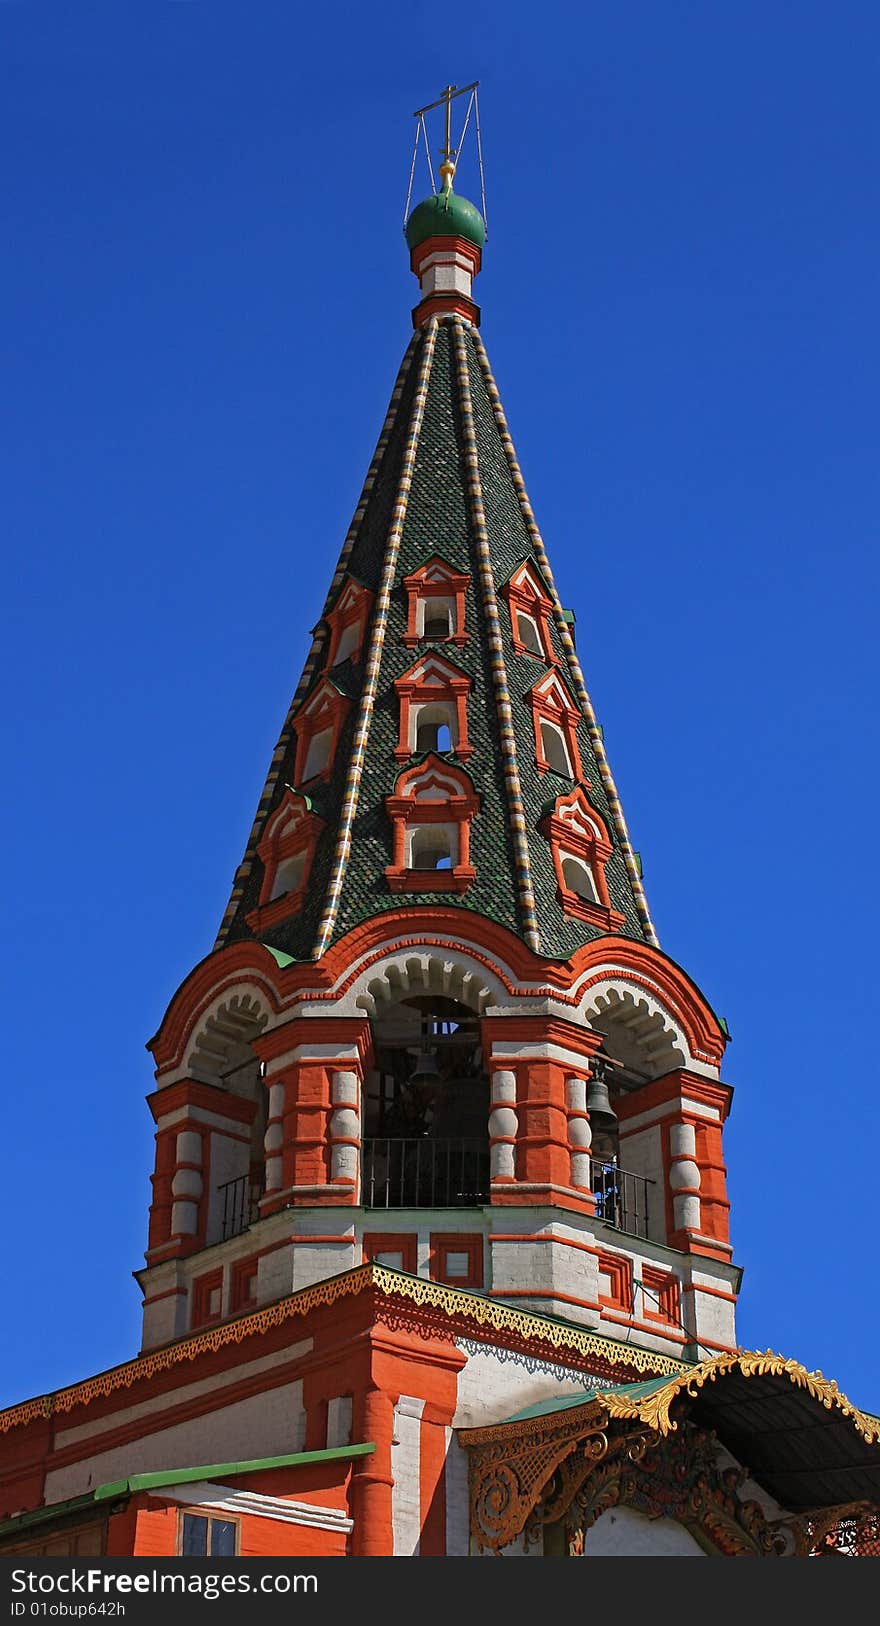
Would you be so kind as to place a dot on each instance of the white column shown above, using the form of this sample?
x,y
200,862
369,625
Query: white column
x,y
684,1177
580,1135
274,1137
503,1125
345,1128
187,1185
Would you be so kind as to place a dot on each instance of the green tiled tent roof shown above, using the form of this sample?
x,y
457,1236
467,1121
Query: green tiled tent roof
x,y
444,410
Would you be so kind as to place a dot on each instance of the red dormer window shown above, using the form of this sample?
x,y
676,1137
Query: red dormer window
x,y
531,611
348,624
580,847
431,812
555,718
436,596
286,850
318,725
433,698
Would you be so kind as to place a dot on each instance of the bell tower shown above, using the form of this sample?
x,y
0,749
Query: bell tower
x,y
437,1029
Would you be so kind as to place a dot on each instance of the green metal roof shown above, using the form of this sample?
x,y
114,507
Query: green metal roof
x,y
116,1490
545,1408
446,214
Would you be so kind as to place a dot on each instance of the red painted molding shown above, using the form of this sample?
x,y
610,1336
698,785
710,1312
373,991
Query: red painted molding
x,y
413,806
575,830
406,1243
435,579
352,608
291,833
324,711
525,592
443,1243
551,702
433,680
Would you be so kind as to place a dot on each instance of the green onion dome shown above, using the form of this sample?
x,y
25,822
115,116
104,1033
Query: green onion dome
x,y
445,215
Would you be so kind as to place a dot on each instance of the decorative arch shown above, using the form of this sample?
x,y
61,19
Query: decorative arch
x,y
433,585
448,973
242,969
580,847
433,683
286,850
225,1036
433,801
641,1033
530,607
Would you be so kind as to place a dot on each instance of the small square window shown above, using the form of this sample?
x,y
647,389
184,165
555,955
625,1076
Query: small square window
x,y
204,1537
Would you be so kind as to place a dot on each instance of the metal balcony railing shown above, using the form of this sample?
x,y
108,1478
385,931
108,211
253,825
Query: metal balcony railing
x,y
424,1173
240,1206
621,1197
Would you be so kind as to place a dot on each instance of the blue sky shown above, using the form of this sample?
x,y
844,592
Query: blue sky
x,y
205,295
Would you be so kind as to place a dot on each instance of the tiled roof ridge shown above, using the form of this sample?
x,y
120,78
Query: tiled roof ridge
x,y
568,645
377,640
243,871
516,811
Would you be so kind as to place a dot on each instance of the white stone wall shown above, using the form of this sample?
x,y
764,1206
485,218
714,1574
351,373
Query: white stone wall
x,y
493,1385
268,1424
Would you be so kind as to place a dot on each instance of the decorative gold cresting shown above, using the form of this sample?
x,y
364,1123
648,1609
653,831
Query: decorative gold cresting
x,y
462,1314
655,1409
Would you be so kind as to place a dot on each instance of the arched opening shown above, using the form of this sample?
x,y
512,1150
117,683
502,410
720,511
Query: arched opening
x,y
437,618
432,847
349,640
529,636
318,754
223,1055
288,875
578,878
426,1107
554,748
435,728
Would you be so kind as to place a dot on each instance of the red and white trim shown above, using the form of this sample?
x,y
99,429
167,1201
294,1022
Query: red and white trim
x,y
434,586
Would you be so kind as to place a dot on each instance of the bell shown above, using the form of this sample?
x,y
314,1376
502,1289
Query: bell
x,y
599,1106
427,1070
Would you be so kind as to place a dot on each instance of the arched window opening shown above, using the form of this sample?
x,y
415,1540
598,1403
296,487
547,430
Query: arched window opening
x,y
318,754
529,636
435,728
555,748
426,1108
437,618
288,876
578,878
349,642
431,847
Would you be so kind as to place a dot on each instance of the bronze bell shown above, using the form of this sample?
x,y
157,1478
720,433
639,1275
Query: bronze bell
x,y
599,1105
427,1070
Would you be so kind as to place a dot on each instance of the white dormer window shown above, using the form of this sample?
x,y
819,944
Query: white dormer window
x,y
529,636
318,754
555,749
435,616
288,876
349,642
578,878
434,727
431,811
432,846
